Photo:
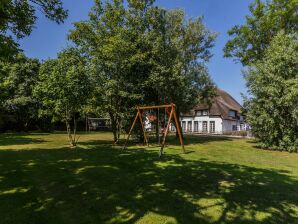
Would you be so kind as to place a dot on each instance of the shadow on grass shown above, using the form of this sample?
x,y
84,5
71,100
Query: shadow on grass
x,y
257,145
18,139
203,139
173,140
107,185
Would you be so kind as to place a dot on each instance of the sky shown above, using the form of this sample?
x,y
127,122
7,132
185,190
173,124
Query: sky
x,y
48,38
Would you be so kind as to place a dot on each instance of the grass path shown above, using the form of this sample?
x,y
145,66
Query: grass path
x,y
218,180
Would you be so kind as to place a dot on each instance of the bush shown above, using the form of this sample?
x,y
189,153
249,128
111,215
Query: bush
x,y
236,133
272,109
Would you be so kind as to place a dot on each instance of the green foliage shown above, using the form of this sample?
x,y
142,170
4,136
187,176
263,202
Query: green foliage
x,y
17,80
18,17
64,88
144,55
179,51
267,18
273,85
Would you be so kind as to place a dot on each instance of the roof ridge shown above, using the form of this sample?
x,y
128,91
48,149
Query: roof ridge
x,y
229,95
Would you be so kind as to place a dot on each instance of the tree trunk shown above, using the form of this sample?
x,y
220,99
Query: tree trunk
x,y
114,127
118,128
72,137
74,140
68,129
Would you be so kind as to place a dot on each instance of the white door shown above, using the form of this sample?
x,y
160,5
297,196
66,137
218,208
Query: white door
x,y
196,126
189,126
205,126
212,126
183,126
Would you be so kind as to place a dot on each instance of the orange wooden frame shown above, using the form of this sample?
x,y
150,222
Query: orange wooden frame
x,y
172,115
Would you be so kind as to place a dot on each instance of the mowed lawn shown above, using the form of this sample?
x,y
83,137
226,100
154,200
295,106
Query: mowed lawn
x,y
218,180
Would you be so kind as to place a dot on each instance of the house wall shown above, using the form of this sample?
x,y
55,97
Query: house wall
x,y
200,119
220,124
228,125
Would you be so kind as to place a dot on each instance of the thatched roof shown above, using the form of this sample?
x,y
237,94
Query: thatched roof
x,y
221,106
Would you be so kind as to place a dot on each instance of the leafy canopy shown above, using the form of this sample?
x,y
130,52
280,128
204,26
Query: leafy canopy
x,y
144,55
248,42
273,85
17,80
64,88
63,85
17,18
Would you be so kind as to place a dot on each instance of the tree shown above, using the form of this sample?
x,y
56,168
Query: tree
x,y
250,41
181,49
272,109
64,89
112,40
17,80
18,17
179,52
143,55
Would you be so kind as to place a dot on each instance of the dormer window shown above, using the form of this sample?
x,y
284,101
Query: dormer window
x,y
232,113
202,112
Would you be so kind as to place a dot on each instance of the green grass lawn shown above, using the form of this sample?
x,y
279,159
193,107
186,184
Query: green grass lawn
x,y
218,180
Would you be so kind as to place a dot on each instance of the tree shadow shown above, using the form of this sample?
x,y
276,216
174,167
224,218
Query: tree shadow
x,y
18,139
257,145
196,139
203,139
188,140
107,185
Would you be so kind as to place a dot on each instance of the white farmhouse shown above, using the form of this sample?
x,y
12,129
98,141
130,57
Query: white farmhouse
x,y
224,115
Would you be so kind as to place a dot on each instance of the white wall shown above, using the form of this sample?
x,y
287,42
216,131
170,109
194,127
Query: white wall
x,y
220,124
200,119
228,125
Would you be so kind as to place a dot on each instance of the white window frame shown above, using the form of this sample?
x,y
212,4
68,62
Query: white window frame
x,y
212,126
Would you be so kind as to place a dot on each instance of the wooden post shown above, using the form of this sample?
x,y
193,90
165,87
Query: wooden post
x,y
179,131
166,132
133,124
144,133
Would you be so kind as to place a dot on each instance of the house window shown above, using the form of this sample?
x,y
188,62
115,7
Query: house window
x,y
205,128
189,126
183,126
232,113
196,126
212,126
202,112
234,127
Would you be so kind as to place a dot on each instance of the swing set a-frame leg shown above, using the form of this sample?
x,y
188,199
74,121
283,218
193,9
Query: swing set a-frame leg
x,y
179,132
129,133
143,129
173,114
138,115
166,132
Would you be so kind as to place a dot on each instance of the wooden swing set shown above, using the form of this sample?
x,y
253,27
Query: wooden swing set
x,y
170,111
